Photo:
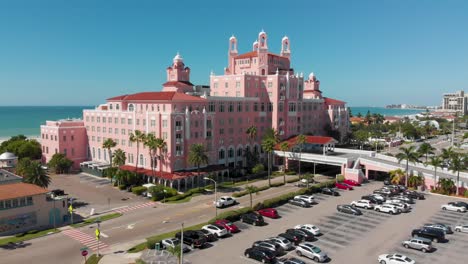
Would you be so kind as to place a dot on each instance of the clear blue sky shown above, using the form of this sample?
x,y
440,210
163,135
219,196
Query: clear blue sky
x,y
368,53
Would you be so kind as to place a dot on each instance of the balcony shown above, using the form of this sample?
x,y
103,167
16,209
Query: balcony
x,y
178,128
179,140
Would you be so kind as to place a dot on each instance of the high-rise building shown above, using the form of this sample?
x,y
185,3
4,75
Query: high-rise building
x,y
456,102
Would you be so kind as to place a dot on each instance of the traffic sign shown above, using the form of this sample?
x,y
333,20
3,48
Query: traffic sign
x,y
70,209
98,233
84,253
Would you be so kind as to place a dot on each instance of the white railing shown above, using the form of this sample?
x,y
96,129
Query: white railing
x,y
355,151
308,157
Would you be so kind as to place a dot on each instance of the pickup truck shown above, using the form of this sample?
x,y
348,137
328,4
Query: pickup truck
x,y
192,238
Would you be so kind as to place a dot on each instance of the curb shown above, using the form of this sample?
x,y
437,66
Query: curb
x,y
443,195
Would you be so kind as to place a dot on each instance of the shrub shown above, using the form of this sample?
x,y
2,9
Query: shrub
x,y
259,168
466,193
278,184
185,195
138,190
340,178
233,215
292,180
290,173
243,193
122,187
157,192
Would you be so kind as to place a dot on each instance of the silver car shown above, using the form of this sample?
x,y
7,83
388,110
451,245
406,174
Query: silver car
x,y
310,251
282,242
419,243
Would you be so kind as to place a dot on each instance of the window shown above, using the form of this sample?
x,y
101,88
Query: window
x,y
231,107
237,84
122,120
292,107
65,150
208,124
29,200
208,134
116,120
104,130
98,119
215,85
130,121
270,107
221,154
239,152
280,107
72,137
92,119
164,123
164,135
270,84
238,94
221,131
138,122
104,120
239,107
221,107
122,131
131,107
98,139
231,153
262,107
73,152
8,204
109,120
255,107
15,203
64,138
153,123
226,85
211,107
22,201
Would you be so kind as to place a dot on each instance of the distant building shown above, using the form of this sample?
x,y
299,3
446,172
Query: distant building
x,y
456,102
8,160
391,119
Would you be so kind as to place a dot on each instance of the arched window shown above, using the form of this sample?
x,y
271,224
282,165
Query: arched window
x,y
141,159
231,153
99,153
94,153
131,107
239,152
221,154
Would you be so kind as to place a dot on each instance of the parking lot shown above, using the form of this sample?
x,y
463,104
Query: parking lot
x,y
348,238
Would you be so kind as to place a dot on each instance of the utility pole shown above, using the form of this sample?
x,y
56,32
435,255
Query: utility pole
x,y
182,244
453,131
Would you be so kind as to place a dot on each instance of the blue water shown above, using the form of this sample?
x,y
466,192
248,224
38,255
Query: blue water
x,y
26,120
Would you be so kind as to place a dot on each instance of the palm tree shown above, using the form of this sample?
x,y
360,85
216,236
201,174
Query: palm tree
x,y
415,180
119,158
161,145
36,175
273,134
150,142
425,149
447,153
396,176
284,147
252,134
137,137
435,162
268,145
175,251
251,189
458,162
446,185
108,144
300,140
197,156
410,155
308,177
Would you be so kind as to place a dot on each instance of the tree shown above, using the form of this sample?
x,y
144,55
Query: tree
x,y
119,157
300,141
458,162
410,155
251,189
175,251
23,166
22,147
415,180
35,174
197,156
161,145
446,185
150,142
137,137
60,163
359,115
361,136
284,147
259,168
396,176
435,162
368,118
273,134
268,145
309,178
447,153
425,149
108,144
350,114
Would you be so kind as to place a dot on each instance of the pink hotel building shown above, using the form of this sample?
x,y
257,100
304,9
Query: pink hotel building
x,y
258,88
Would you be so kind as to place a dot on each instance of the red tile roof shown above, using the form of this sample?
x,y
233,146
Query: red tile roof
x,y
247,55
330,101
156,96
174,83
20,189
174,175
310,140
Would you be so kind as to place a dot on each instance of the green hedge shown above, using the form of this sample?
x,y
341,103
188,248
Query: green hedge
x,y
185,195
233,215
278,184
122,187
138,190
340,178
292,180
243,193
290,173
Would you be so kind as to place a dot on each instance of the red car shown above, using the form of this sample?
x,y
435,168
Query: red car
x,y
269,212
343,186
352,182
232,228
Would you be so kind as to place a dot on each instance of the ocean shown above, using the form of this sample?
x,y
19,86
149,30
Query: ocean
x,y
26,120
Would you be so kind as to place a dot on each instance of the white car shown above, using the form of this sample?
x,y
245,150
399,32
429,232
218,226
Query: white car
x,y
311,228
283,242
395,259
401,207
310,251
386,208
363,204
452,207
307,198
224,201
378,197
216,230
462,228
173,242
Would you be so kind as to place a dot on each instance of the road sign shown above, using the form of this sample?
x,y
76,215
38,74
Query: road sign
x,y
84,248
98,233
84,253
70,209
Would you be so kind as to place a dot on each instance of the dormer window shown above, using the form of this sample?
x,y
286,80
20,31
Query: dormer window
x,y
131,107
110,106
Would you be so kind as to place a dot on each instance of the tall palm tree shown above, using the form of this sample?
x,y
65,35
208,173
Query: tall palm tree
x,y
197,156
458,162
300,141
446,185
273,134
447,153
435,162
284,147
36,175
150,142
268,145
119,158
251,189
161,145
252,134
137,137
108,144
410,155
425,149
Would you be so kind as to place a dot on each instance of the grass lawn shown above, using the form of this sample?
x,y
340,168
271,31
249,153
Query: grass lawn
x,y
27,236
91,221
93,259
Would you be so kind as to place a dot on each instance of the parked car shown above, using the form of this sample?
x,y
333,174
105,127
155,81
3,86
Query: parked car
x,y
352,182
383,192
461,204
363,204
207,235
295,239
306,198
452,206
269,212
372,199
414,195
419,243
259,254
290,261
343,186
281,241
299,202
387,182
216,230
443,227
310,251
395,259
404,199
192,238
430,233
225,201
230,227
386,208
462,228
311,228
308,236
344,208
401,207
330,191
173,242
273,247
253,219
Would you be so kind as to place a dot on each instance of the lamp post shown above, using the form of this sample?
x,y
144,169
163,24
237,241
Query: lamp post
x,y
216,198
164,200
182,244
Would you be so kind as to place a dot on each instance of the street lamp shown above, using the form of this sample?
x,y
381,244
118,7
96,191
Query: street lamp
x,y
216,198
164,200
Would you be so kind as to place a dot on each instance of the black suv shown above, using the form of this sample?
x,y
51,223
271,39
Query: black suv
x,y
414,195
308,236
252,218
429,233
260,254
372,199
192,238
